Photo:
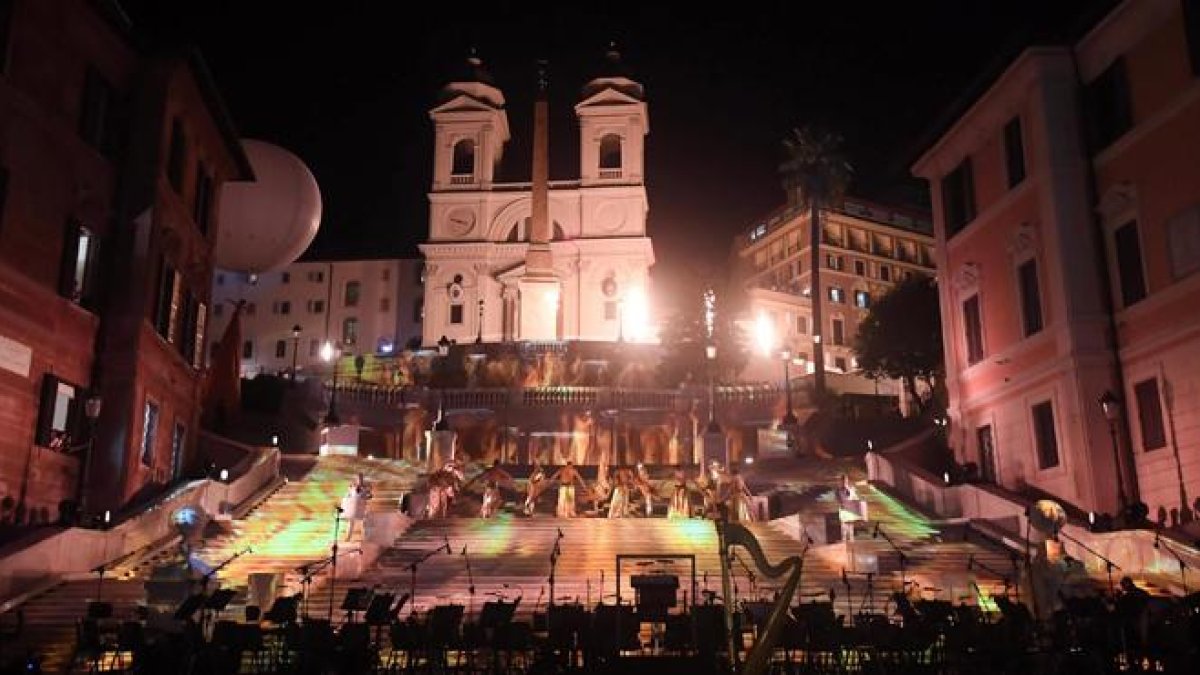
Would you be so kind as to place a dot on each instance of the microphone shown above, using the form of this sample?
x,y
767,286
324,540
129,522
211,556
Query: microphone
x,y
464,551
970,562
447,540
875,535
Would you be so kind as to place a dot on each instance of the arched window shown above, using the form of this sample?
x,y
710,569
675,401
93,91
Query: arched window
x,y
610,152
520,232
464,158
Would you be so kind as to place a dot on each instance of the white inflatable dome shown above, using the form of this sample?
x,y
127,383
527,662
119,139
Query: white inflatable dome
x,y
266,224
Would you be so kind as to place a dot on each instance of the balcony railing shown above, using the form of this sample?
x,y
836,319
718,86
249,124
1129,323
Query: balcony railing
x,y
610,173
462,180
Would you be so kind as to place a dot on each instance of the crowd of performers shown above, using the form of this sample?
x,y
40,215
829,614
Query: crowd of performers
x,y
617,492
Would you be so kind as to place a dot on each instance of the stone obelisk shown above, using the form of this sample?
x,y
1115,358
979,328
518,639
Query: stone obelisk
x,y
538,286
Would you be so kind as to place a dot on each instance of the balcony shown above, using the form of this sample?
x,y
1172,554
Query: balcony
x,y
609,174
464,179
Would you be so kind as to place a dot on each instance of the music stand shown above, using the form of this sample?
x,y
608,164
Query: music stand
x,y
379,611
497,613
283,610
189,606
358,599
218,601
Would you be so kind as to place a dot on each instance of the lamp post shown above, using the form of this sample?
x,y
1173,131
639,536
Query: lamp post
x,y
789,418
330,352
91,409
710,351
1111,407
479,335
295,349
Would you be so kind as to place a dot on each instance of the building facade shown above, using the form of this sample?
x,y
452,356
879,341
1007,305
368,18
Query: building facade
x,y
547,260
364,306
866,249
1067,218
111,167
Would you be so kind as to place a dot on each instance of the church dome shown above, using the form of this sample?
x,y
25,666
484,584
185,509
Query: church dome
x,y
613,74
267,223
472,79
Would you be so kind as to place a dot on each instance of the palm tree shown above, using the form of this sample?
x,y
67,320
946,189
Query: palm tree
x,y
815,174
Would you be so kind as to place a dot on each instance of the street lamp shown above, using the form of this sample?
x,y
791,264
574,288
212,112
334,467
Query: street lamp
x,y
479,336
710,351
1111,406
789,419
295,348
91,409
330,352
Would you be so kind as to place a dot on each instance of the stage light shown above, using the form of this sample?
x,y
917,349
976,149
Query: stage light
x,y
749,460
275,440
224,475
946,477
870,444
107,517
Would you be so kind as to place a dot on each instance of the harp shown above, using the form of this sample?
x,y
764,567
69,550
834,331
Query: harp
x,y
731,534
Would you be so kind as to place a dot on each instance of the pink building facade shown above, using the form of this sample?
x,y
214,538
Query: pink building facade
x,y
1067,221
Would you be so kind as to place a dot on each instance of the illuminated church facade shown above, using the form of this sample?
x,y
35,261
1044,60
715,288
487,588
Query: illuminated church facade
x,y
543,260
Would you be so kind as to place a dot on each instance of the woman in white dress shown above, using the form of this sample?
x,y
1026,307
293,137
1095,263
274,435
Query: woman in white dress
x,y
738,498
354,503
622,484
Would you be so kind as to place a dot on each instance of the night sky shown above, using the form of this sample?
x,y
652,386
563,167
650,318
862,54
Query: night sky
x,y
346,86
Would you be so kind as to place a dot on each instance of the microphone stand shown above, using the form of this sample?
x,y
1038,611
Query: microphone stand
x,y
749,575
337,522
554,553
903,558
1183,566
470,584
412,568
1108,564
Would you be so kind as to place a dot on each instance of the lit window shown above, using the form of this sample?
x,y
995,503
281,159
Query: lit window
x,y
836,294
350,331
79,246
149,432
862,299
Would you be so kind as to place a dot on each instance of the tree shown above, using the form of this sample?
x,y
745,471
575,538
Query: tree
x,y
815,174
901,338
684,338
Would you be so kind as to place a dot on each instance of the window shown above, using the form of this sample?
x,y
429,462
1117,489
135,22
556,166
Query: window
x,y
283,307
464,158
1109,111
456,314
1031,301
418,310
286,277
610,152
166,304
99,121
75,274
862,299
758,232
1183,241
1014,152
958,198
176,155
350,331
353,289
59,414
860,268
201,324
836,294
885,273
839,362
317,277
316,306
178,443
833,262
973,326
987,453
1129,263
1150,415
149,432
248,349
610,310
1191,26
314,348
385,304
186,337
202,206
839,332
386,274
280,349
218,310
1044,437
801,324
